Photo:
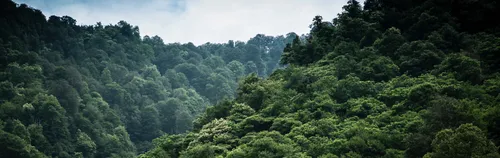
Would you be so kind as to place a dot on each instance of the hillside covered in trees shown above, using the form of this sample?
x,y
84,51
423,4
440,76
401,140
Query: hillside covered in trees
x,y
390,78
69,90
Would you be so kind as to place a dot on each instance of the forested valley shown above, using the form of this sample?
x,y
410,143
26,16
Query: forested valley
x,y
104,91
387,78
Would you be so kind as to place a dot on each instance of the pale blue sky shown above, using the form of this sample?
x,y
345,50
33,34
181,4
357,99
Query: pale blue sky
x,y
197,21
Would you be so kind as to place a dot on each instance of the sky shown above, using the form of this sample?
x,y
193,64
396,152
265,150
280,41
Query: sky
x,y
197,21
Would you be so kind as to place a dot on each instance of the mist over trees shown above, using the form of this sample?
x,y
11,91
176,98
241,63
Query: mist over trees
x,y
390,78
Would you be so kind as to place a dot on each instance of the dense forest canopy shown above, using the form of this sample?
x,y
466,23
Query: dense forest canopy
x,y
390,78
70,90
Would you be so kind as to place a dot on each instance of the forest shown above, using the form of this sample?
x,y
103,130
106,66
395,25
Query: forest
x,y
104,91
387,78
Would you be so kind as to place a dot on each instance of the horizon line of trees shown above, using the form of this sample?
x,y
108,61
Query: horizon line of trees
x,y
69,90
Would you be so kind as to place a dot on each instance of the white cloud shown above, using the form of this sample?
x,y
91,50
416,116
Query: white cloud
x,y
199,21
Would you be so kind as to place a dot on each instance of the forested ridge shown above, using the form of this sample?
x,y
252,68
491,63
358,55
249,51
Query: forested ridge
x,y
69,90
390,78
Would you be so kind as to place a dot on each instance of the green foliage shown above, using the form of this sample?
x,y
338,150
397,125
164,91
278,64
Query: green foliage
x,y
201,151
352,87
418,57
236,67
465,141
462,67
266,144
284,125
379,69
486,46
73,90
14,146
389,79
363,107
239,112
85,145
390,42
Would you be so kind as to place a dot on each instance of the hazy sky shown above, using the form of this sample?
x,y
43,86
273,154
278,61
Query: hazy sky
x,y
197,21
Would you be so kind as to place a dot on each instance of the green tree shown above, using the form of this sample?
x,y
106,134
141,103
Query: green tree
x,y
150,123
85,145
418,57
462,67
239,112
390,42
268,145
237,68
465,141
379,69
14,146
